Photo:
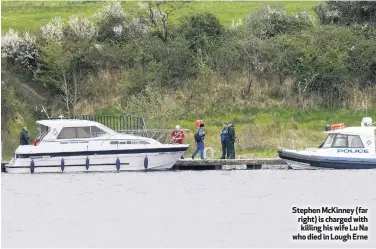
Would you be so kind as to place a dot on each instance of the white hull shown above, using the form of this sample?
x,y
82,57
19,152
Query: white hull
x,y
97,163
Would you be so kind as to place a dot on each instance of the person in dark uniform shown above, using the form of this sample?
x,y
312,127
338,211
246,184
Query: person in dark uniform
x,y
24,137
231,141
224,141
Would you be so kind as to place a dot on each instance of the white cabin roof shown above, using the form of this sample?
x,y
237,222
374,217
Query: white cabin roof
x,y
59,124
66,122
368,131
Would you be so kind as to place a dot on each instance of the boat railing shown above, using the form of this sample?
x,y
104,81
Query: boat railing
x,y
161,135
294,144
117,122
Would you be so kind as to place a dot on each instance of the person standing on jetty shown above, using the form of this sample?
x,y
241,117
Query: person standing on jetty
x,y
177,136
24,137
231,141
199,138
224,137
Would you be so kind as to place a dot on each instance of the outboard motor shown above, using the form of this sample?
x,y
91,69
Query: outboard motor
x,y
328,127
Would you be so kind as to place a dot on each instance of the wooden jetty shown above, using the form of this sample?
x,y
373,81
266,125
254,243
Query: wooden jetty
x,y
226,164
219,164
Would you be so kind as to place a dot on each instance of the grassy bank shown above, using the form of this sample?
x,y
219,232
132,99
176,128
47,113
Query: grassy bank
x,y
259,131
30,15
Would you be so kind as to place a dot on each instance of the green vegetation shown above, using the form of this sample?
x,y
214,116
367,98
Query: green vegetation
x,y
30,15
279,73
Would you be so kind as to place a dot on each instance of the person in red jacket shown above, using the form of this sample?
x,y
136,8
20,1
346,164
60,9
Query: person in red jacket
x,y
177,136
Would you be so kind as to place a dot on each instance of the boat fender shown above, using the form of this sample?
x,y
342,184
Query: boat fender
x,y
62,165
118,164
87,163
146,162
32,165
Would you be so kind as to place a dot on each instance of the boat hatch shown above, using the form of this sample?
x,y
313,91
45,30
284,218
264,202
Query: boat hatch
x,y
343,141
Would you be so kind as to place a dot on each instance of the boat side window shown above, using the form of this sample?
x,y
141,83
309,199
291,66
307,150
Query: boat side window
x,y
83,132
329,141
355,142
120,142
340,141
74,132
97,132
67,133
143,142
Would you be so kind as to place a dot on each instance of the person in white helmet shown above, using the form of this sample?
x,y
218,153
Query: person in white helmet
x,y
177,136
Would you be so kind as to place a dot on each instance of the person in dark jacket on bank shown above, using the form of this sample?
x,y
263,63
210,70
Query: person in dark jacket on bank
x,y
224,141
231,141
24,137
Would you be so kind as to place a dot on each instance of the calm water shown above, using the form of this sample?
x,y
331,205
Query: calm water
x,y
174,209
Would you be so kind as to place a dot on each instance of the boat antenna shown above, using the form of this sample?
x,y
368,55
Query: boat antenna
x,y
44,110
366,107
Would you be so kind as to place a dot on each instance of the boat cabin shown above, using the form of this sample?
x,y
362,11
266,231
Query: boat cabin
x,y
71,129
361,138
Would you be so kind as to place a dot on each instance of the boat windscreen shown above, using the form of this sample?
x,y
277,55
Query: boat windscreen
x,y
43,131
329,141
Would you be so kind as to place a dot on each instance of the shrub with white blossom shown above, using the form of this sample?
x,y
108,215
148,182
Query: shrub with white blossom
x,y
118,30
113,24
53,29
270,21
19,49
82,28
137,27
110,12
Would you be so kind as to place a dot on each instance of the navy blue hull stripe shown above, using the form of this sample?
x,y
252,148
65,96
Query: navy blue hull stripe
x,y
102,152
69,165
331,164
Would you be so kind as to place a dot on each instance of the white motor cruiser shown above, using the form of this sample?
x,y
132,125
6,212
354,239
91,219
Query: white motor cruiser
x,y
344,148
79,145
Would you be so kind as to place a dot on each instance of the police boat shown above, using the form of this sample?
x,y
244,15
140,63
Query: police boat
x,y
344,148
69,145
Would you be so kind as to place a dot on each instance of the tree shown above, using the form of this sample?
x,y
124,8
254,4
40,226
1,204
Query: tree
x,y
347,12
20,51
63,67
114,25
270,21
201,30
